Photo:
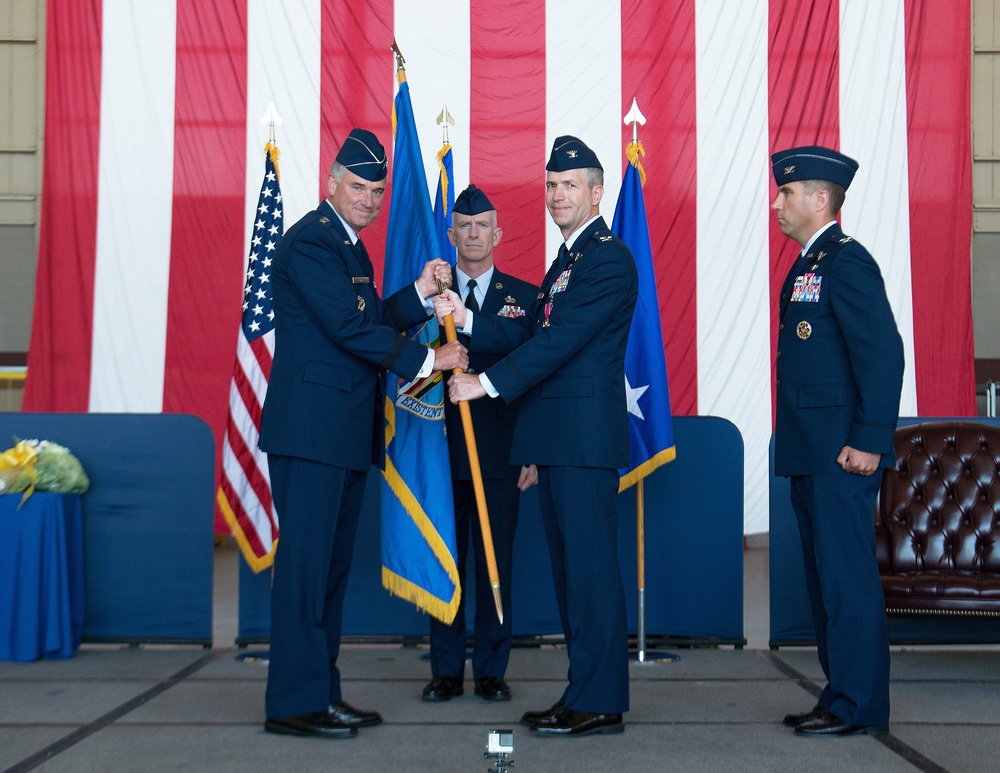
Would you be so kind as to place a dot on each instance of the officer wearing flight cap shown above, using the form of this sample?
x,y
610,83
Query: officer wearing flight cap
x,y
487,291
839,377
572,423
322,428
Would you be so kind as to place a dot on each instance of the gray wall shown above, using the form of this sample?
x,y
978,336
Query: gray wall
x,y
17,288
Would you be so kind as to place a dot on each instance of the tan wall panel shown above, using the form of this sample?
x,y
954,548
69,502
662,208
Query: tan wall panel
x,y
985,116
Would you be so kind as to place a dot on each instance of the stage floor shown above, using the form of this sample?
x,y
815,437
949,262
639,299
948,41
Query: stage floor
x,y
158,708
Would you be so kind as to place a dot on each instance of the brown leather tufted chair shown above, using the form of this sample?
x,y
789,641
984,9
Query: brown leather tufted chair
x,y
937,521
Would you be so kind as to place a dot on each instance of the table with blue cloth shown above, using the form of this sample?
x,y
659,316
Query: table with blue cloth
x,y
41,576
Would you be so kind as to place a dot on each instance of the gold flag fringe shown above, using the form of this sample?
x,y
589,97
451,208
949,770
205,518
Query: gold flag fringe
x,y
644,469
255,562
272,150
632,152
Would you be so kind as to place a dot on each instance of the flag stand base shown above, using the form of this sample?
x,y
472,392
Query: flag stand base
x,y
642,657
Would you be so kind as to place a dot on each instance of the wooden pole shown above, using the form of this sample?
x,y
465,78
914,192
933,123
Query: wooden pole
x,y
477,481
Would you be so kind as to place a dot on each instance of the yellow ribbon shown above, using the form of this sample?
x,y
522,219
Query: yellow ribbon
x,y
22,455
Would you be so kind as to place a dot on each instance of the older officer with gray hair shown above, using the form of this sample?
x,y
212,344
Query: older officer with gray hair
x,y
322,428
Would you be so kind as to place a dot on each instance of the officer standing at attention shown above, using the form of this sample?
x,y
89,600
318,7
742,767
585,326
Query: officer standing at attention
x,y
488,291
572,423
839,378
322,428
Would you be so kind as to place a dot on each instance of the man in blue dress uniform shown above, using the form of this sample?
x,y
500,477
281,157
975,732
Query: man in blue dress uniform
x,y
572,423
486,290
322,428
839,377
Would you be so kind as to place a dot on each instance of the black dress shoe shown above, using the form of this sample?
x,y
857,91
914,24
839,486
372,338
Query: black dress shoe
x,y
794,720
531,717
492,688
569,722
831,724
318,723
348,715
443,688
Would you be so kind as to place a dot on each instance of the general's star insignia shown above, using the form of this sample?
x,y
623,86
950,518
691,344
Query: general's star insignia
x,y
632,396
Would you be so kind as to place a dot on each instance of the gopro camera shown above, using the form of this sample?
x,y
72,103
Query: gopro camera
x,y
500,742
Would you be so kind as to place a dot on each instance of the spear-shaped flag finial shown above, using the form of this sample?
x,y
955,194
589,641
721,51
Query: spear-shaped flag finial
x,y
444,120
271,119
635,117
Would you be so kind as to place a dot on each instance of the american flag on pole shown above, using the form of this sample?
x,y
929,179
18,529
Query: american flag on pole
x,y
244,494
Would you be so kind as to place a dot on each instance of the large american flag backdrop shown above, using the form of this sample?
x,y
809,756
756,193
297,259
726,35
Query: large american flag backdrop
x,y
153,146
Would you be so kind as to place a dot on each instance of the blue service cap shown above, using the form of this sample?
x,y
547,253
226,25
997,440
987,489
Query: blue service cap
x,y
813,162
472,201
571,153
364,155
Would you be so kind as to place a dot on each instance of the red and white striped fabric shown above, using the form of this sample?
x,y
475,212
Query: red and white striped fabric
x,y
152,164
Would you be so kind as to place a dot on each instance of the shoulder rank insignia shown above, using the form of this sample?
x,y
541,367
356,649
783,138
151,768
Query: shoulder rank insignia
x,y
606,238
324,219
803,330
847,239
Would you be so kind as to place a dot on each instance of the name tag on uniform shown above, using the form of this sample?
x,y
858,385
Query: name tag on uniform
x,y
361,280
806,289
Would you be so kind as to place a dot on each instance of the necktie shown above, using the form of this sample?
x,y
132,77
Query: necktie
x,y
561,258
470,298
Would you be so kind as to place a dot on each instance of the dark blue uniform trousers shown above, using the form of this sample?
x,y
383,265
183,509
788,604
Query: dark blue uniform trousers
x,y
318,509
836,515
491,650
581,524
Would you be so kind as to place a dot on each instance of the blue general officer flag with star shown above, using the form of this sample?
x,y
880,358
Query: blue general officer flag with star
x,y
418,516
650,425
